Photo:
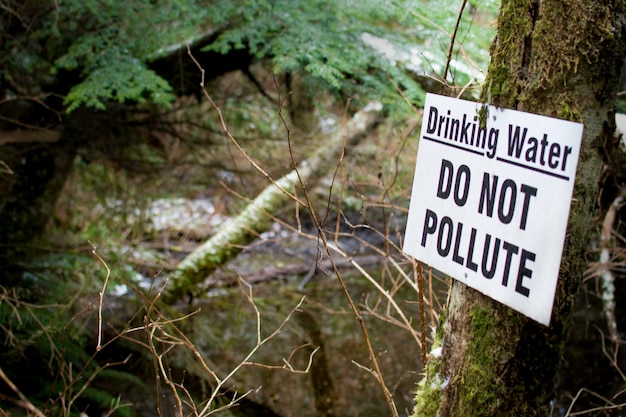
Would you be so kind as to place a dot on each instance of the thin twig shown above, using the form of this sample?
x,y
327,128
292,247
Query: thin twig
x,y
232,138
610,406
419,276
453,40
23,401
327,245
287,364
100,295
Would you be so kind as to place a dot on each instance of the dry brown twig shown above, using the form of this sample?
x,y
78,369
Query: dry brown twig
x,y
610,404
74,381
453,43
331,250
613,357
260,341
385,257
230,136
163,336
23,402
100,295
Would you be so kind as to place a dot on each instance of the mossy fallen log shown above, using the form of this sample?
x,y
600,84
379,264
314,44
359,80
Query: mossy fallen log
x,y
255,218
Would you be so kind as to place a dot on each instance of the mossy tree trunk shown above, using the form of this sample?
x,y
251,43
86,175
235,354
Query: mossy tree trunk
x,y
561,59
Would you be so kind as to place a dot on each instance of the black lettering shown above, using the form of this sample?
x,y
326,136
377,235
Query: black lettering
x,y
531,151
445,175
516,143
489,272
442,119
493,142
528,193
553,156
457,242
470,252
524,272
473,135
488,194
566,152
432,120
508,216
430,225
454,129
464,127
481,137
444,250
544,143
511,250
445,133
461,199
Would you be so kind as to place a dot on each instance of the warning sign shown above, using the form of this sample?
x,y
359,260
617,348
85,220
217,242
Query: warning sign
x,y
491,199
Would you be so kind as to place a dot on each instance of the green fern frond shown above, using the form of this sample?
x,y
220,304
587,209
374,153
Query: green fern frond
x,y
115,376
107,401
124,79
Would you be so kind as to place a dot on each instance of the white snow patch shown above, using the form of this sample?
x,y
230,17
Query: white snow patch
x,y
373,106
381,45
327,124
436,352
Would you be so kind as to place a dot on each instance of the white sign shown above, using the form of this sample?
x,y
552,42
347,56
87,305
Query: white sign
x,y
491,200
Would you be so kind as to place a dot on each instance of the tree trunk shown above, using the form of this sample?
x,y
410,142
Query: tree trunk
x,y
256,217
560,59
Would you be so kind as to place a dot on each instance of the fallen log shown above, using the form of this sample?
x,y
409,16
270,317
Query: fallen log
x,y
256,217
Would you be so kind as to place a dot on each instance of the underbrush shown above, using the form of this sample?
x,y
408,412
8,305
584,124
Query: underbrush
x,y
89,332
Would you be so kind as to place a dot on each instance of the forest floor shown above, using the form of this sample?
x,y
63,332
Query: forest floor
x,y
143,225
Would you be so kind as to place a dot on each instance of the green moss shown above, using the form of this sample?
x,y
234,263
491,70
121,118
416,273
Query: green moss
x,y
570,111
483,115
507,52
499,80
429,390
565,112
477,393
478,382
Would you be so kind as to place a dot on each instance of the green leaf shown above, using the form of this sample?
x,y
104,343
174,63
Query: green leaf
x,y
124,79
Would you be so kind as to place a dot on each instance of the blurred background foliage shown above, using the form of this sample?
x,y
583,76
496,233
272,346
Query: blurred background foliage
x,y
108,49
153,174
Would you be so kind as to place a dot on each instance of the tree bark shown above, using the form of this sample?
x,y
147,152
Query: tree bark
x,y
256,217
560,59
